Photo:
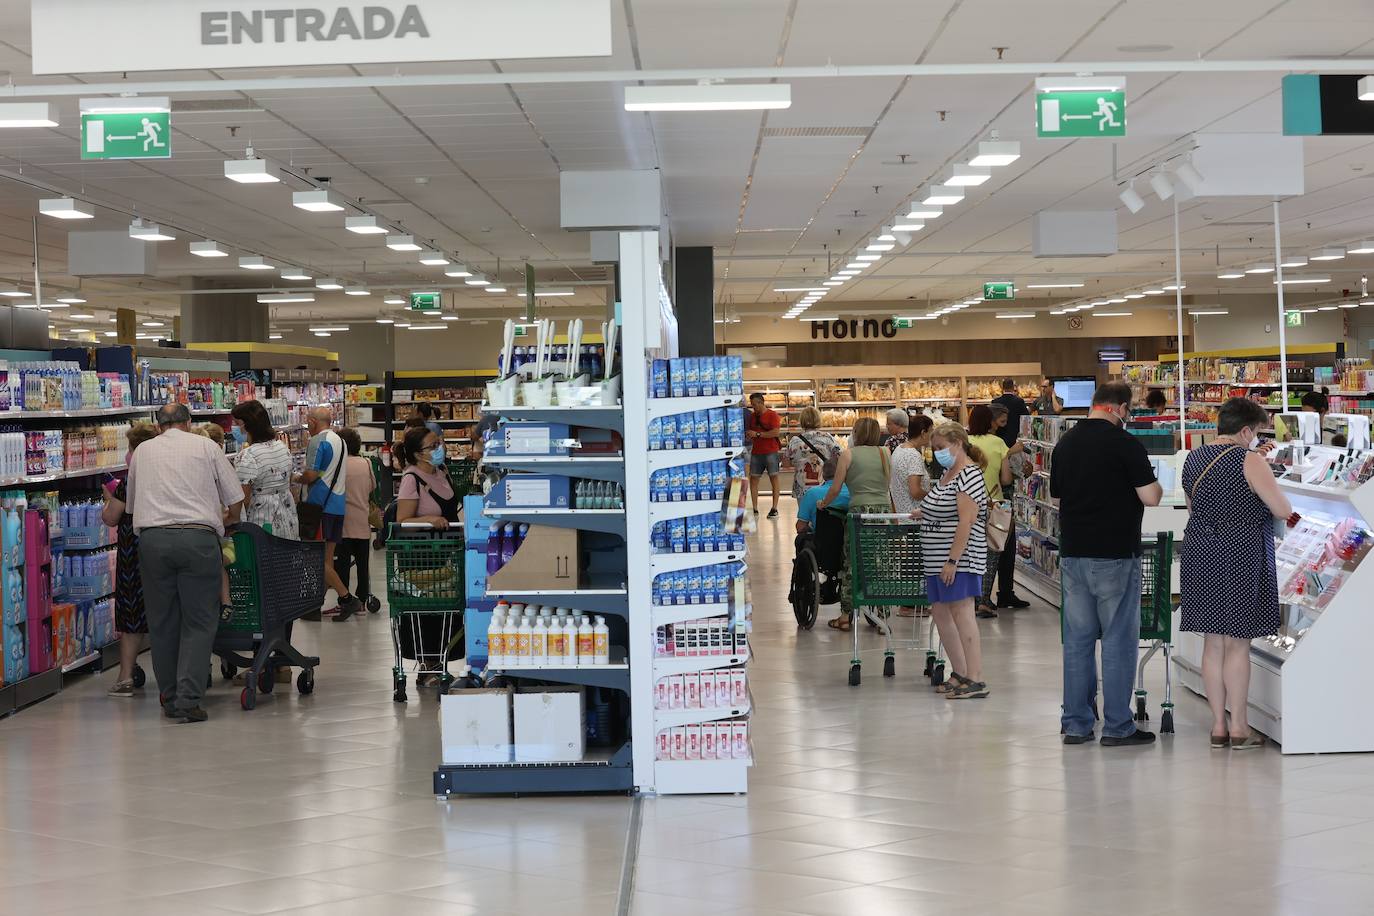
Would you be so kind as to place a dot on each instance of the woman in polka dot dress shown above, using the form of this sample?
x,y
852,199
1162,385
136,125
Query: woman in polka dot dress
x,y
1227,573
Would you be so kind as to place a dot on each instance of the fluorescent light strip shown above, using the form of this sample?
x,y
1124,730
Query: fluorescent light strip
x,y
402,243
251,171
28,114
1016,315
1209,312
65,208
709,97
1111,314
1057,284
365,225
798,289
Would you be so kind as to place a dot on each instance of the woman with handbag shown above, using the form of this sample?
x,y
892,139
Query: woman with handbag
x,y
954,551
356,546
865,468
808,451
1227,573
982,421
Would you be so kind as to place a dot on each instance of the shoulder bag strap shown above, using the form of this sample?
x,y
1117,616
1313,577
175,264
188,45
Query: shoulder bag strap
x,y
817,452
1211,464
338,469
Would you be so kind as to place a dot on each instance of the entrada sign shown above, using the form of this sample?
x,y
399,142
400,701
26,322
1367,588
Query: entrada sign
x,y
854,329
116,36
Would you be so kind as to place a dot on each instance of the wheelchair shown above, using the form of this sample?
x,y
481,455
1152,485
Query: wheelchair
x,y
816,567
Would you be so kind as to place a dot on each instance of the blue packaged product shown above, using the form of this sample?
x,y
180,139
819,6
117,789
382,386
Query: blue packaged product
x,y
706,486
693,537
719,477
691,370
659,379
721,371
694,592
655,434
660,536
689,481
677,377
668,432
707,374
737,542
735,373
675,481
679,588
701,423
719,584
677,535
658,486
656,590
734,427
716,422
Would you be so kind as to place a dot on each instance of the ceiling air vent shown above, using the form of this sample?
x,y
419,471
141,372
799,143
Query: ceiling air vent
x,y
816,131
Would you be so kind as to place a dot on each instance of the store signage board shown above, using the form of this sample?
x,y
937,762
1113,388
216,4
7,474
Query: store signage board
x,y
1322,104
999,290
426,301
105,36
126,135
1080,113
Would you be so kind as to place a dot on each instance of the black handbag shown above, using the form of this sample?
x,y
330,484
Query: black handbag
x,y
309,515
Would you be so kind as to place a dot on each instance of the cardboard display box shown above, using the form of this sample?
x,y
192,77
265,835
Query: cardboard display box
x,y
475,725
548,558
549,724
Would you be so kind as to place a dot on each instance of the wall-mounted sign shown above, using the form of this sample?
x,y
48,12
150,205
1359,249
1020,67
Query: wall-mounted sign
x,y
103,36
126,135
854,329
999,290
426,301
1316,104
1080,113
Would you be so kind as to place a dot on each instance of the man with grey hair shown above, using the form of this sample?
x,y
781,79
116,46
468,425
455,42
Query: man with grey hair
x,y
897,425
322,512
179,489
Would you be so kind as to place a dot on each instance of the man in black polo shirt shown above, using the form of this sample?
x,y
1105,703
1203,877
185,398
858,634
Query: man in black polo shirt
x,y
1016,409
1009,431
1101,477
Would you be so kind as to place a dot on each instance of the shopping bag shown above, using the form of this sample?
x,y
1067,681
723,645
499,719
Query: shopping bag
x,y
999,525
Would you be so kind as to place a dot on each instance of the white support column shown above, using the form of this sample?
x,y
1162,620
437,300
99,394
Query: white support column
x,y
1178,307
1283,317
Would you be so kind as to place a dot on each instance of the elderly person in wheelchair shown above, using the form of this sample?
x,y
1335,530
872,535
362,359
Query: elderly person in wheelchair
x,y
819,549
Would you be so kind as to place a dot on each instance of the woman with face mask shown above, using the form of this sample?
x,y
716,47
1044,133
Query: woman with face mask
x,y
1227,574
866,469
954,549
264,469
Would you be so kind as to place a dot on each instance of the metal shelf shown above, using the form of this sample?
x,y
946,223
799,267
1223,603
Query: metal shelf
x,y
608,521
667,407
664,614
603,601
596,467
822,405
607,771
703,777
615,676
11,415
60,475
686,664
663,511
673,457
669,718
596,416
672,562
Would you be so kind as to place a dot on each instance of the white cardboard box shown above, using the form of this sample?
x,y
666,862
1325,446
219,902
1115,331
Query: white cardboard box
x,y
475,725
550,724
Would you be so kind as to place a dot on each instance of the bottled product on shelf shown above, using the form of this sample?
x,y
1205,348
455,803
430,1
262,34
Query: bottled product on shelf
x,y
531,636
54,385
720,689
712,636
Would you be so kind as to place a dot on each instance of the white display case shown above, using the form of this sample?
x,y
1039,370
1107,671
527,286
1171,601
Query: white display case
x,y
1305,683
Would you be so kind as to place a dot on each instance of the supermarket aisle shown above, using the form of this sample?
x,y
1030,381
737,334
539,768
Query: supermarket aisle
x,y
880,799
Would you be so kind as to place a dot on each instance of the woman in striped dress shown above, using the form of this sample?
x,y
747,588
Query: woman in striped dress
x,y
954,549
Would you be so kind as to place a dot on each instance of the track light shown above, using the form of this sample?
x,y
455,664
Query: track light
x,y
1163,188
1187,174
1132,199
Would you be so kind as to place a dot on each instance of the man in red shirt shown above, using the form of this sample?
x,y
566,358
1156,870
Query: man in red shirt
x,y
763,432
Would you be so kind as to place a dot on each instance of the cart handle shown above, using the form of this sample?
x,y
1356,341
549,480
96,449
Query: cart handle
x,y
427,526
887,517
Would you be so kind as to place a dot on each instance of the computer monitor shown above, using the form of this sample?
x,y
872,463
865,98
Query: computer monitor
x,y
1076,391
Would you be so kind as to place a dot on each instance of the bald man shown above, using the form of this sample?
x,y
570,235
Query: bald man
x,y
322,512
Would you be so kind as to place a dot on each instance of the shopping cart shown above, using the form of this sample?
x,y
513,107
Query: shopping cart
x,y
460,475
272,582
1156,621
885,570
424,589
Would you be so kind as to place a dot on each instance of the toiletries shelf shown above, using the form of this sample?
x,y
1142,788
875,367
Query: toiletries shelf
x,y
9,416
60,475
671,718
665,665
603,601
609,521
599,417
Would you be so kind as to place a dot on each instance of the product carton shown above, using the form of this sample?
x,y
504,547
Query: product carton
x,y
548,558
475,725
549,724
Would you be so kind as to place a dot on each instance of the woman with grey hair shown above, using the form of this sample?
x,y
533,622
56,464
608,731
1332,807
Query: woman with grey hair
x,y
808,451
897,424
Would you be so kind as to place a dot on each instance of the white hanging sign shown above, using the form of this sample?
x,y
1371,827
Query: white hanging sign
x,y
115,36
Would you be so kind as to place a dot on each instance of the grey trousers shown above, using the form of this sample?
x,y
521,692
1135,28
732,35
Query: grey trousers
x,y
182,570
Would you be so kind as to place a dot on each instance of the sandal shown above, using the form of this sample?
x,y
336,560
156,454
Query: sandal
x,y
1253,741
984,611
1220,742
840,623
952,683
968,690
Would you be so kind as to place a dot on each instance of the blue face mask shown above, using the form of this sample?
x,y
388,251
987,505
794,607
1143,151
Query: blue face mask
x,y
436,455
945,457
239,436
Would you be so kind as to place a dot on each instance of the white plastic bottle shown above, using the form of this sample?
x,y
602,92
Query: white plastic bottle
x,y
539,644
586,642
601,642
496,641
522,644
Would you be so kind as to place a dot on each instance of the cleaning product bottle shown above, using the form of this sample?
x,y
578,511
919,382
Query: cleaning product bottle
x,y
558,642
539,644
467,680
508,542
496,640
522,643
601,642
586,642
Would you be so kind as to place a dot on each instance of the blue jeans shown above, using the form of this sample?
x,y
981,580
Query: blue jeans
x,y
1101,601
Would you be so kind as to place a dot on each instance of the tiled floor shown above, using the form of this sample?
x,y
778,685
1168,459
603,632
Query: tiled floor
x,y
871,800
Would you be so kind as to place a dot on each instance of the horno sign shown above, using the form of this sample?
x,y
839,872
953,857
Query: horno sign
x,y
103,36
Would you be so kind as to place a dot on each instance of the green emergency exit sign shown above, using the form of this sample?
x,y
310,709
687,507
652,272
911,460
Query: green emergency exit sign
x,y
999,290
126,135
1080,113
1293,319
902,323
426,302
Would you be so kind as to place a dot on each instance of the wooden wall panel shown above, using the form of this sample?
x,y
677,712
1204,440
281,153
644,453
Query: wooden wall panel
x,y
1057,356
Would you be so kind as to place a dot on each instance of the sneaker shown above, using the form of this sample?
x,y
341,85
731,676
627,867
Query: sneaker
x,y
122,689
772,513
1140,737
1014,603
194,714
348,606
313,616
1077,739
168,705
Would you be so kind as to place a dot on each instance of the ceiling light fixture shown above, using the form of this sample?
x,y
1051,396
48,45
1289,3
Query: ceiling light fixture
x,y
1209,312
448,317
289,272
868,257
1111,314
833,283
885,235
357,291
331,328
1131,198
905,227
1230,273
1153,292
458,270
1264,267
321,333
1190,177
394,300
942,195
1329,254
28,114
1163,188
425,327
431,258
1135,295
1174,287
14,292
1293,260
494,289
1301,281
919,211
706,96
402,243
1364,247
328,283
65,208
1326,308
208,249
148,232
1364,89
477,280
251,171
995,153
83,316
967,176
365,225
282,298
124,103
154,324
1056,284
1092,83
874,244
321,200
384,320
1015,314
857,265
111,333
796,289
256,262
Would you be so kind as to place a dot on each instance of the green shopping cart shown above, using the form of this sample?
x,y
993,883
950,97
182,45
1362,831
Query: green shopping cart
x,y
885,570
426,597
